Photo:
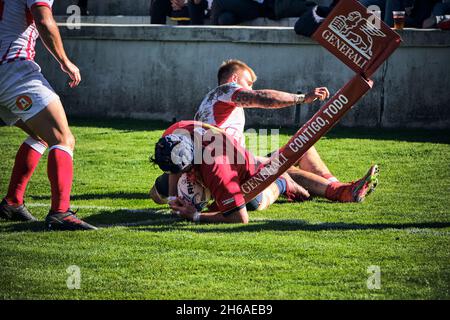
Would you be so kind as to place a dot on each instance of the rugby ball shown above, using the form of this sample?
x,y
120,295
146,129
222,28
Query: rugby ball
x,y
193,192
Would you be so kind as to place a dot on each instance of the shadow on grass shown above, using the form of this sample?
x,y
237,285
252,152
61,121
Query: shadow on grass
x,y
103,219
131,218
35,226
154,220
301,225
99,196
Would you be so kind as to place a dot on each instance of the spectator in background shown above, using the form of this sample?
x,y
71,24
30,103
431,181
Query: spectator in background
x,y
231,12
183,11
311,19
440,16
416,10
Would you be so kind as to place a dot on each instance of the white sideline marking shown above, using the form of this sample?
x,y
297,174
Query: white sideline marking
x,y
133,224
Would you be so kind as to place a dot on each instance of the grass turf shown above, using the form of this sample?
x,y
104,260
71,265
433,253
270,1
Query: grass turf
x,y
313,250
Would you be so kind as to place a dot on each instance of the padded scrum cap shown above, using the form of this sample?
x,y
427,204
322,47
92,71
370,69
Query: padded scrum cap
x,y
174,153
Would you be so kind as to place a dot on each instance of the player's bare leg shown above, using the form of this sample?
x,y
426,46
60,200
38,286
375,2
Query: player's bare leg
x,y
312,162
21,125
51,125
337,191
315,184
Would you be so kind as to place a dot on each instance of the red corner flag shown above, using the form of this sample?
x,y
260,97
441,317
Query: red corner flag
x,y
357,37
309,133
361,41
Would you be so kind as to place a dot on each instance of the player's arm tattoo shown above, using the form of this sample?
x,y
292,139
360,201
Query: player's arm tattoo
x,y
270,99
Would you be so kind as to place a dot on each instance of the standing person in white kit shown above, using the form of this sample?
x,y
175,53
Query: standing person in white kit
x,y
28,101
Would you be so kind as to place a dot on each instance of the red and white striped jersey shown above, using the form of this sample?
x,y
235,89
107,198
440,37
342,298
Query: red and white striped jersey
x,y
18,32
219,109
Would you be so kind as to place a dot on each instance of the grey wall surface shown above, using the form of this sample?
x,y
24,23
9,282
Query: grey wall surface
x,y
162,72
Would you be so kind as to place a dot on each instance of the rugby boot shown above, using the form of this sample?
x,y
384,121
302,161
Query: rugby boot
x,y
366,185
354,191
66,221
15,213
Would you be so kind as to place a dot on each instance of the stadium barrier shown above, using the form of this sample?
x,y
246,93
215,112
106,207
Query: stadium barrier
x,y
163,72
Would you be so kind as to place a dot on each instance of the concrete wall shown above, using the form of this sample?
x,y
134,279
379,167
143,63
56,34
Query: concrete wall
x,y
162,72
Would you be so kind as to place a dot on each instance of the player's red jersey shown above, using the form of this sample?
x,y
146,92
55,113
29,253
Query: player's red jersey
x,y
188,125
224,164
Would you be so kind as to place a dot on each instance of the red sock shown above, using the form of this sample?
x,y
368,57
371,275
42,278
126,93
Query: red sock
x,y
338,191
26,161
60,174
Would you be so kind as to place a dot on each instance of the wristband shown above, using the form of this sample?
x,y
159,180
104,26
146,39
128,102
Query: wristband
x,y
171,198
300,98
196,216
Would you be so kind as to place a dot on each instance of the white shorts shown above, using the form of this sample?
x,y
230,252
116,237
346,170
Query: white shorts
x,y
24,91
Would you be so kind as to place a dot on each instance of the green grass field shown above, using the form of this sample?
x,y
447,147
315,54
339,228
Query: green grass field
x,y
313,250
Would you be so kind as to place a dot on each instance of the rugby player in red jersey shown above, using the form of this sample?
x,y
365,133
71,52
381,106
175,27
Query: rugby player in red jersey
x,y
224,107
219,163
221,166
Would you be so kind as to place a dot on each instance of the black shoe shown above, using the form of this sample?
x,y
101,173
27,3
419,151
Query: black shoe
x,y
65,221
14,213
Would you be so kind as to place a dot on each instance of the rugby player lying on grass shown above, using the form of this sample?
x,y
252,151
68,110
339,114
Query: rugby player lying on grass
x,y
220,164
224,107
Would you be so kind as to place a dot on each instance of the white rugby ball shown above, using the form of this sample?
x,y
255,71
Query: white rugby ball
x,y
193,192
